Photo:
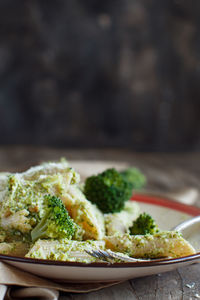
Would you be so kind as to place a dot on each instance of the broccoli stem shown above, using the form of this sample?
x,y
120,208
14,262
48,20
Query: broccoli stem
x,y
40,229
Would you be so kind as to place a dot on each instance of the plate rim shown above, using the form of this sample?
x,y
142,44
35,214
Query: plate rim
x,y
164,201
151,263
144,198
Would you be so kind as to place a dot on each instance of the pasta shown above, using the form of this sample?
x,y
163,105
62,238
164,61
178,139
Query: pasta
x,y
163,244
23,205
65,250
84,213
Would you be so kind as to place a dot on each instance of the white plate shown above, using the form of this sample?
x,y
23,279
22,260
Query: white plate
x,y
167,214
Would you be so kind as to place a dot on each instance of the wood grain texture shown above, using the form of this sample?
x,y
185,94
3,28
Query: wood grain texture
x,y
165,172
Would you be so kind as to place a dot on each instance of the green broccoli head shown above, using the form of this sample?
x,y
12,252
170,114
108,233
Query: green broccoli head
x,y
108,190
135,177
56,223
143,225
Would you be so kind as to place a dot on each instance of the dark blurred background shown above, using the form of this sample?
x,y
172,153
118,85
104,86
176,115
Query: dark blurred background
x,y
109,73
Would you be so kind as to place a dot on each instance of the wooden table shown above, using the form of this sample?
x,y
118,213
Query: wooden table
x,y
165,173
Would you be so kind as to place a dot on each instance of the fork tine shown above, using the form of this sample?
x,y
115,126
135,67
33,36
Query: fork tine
x,y
91,253
105,253
96,254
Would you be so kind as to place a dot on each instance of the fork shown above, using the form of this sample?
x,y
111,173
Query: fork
x,y
112,256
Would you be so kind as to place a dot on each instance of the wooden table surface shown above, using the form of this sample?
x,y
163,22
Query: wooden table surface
x,y
165,173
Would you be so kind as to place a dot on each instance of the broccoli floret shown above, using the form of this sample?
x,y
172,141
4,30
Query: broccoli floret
x,y
135,177
56,223
143,225
108,190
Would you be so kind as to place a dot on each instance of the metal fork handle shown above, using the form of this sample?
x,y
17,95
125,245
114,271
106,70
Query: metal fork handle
x,y
124,258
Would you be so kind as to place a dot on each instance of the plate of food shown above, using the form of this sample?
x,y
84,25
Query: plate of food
x,y
53,225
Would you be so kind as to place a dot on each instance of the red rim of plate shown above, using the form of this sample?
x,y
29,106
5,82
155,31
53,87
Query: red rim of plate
x,y
165,202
